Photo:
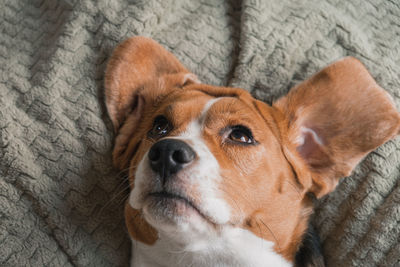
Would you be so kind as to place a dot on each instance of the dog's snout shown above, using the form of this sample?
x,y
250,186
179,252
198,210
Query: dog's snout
x,y
168,156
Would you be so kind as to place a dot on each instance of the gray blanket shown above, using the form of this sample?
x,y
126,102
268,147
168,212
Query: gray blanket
x,y
61,202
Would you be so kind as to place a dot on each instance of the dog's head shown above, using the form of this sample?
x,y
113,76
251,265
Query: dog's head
x,y
202,158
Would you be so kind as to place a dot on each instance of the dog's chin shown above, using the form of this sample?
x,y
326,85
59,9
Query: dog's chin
x,y
169,208
177,220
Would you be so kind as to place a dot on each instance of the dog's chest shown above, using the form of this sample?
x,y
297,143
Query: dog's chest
x,y
235,247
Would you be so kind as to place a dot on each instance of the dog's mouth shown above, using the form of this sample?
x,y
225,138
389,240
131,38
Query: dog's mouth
x,y
175,205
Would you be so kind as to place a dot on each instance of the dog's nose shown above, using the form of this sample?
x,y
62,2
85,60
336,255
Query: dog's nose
x,y
168,156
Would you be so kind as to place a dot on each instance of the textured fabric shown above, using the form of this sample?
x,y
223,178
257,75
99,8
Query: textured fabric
x,y
61,202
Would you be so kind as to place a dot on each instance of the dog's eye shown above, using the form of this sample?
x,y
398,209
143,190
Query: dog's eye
x,y
161,127
241,134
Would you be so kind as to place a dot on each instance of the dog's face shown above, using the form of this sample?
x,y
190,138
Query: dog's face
x,y
201,164
202,159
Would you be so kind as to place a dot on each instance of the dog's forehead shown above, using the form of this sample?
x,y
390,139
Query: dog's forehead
x,y
185,104
191,104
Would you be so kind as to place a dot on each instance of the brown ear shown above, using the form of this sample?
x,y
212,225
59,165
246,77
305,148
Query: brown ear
x,y
336,118
139,70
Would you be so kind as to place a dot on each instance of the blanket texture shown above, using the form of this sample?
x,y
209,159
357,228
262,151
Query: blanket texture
x,y
61,202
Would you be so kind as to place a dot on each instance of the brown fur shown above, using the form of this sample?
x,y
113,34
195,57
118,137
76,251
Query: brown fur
x,y
266,184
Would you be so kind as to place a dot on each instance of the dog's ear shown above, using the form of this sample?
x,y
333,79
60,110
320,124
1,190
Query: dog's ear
x,y
139,71
335,118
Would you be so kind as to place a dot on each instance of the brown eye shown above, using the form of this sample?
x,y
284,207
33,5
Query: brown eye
x,y
161,127
241,134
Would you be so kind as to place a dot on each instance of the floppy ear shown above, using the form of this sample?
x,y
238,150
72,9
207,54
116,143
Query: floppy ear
x,y
336,118
138,71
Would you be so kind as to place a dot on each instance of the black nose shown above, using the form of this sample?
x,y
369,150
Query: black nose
x,y
168,156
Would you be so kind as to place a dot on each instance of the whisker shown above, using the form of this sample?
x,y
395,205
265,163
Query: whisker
x,y
240,195
261,233
119,190
295,188
105,206
122,190
234,201
272,233
184,253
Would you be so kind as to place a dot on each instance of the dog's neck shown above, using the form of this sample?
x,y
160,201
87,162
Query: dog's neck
x,y
232,247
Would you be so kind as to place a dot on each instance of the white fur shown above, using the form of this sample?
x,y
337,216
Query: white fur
x,y
231,247
191,240
206,174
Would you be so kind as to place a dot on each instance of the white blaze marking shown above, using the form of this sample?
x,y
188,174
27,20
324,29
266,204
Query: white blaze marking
x,y
195,127
206,174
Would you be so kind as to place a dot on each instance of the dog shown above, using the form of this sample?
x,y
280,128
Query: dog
x,y
218,178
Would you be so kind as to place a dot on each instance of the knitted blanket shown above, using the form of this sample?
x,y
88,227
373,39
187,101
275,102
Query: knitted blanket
x,y
61,202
